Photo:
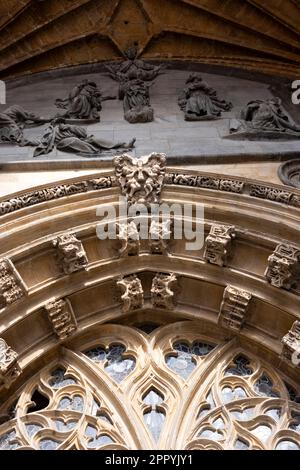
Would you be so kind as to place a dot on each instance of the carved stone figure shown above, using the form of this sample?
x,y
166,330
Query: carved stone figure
x,y
141,180
218,244
199,102
129,236
12,287
132,293
9,367
283,269
62,317
162,291
264,119
84,102
234,308
12,122
136,101
159,237
134,68
70,252
291,343
74,139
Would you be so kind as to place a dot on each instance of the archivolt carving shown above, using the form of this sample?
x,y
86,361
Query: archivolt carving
x,y
141,179
12,287
174,388
132,293
291,343
234,308
62,317
162,290
70,253
9,368
283,269
218,244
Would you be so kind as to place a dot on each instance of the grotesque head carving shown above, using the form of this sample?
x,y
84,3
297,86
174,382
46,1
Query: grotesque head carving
x,y
141,180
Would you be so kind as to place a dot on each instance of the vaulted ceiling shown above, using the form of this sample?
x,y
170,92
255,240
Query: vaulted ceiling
x,y
257,35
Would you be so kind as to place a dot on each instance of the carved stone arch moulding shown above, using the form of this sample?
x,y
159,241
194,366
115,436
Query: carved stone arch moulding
x,y
118,387
145,326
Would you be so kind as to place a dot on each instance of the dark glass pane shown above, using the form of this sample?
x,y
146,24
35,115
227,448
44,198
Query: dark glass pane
x,y
240,368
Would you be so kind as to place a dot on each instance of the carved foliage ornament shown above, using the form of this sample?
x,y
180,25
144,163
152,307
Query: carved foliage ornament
x,y
12,287
9,368
283,269
234,308
141,180
62,317
70,252
218,244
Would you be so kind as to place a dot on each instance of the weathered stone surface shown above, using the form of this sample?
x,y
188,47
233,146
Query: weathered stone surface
x,y
234,307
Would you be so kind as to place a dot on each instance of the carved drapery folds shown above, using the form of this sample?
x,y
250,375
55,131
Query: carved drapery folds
x,y
9,367
70,253
163,290
62,317
141,180
12,287
291,344
234,308
218,244
283,269
132,293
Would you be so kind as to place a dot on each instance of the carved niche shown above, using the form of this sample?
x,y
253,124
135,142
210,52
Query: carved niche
x,y
218,244
141,179
234,308
283,269
12,287
62,317
132,293
162,290
9,367
159,237
291,344
129,237
70,253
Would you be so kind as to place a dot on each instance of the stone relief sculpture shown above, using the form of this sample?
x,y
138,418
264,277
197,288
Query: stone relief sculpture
x,y
141,180
12,122
136,101
132,293
218,244
234,308
84,102
199,102
129,237
159,237
134,68
70,253
291,342
74,139
162,290
283,270
62,317
12,287
9,368
264,119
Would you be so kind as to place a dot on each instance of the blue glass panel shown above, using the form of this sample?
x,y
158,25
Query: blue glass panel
x,y
241,445
75,403
241,367
58,379
264,387
287,445
8,441
154,420
32,429
48,444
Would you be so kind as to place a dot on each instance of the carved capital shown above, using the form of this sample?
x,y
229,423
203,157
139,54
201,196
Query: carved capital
x,y
12,287
62,317
132,293
159,237
234,308
141,179
291,344
162,290
9,367
70,253
218,244
283,269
